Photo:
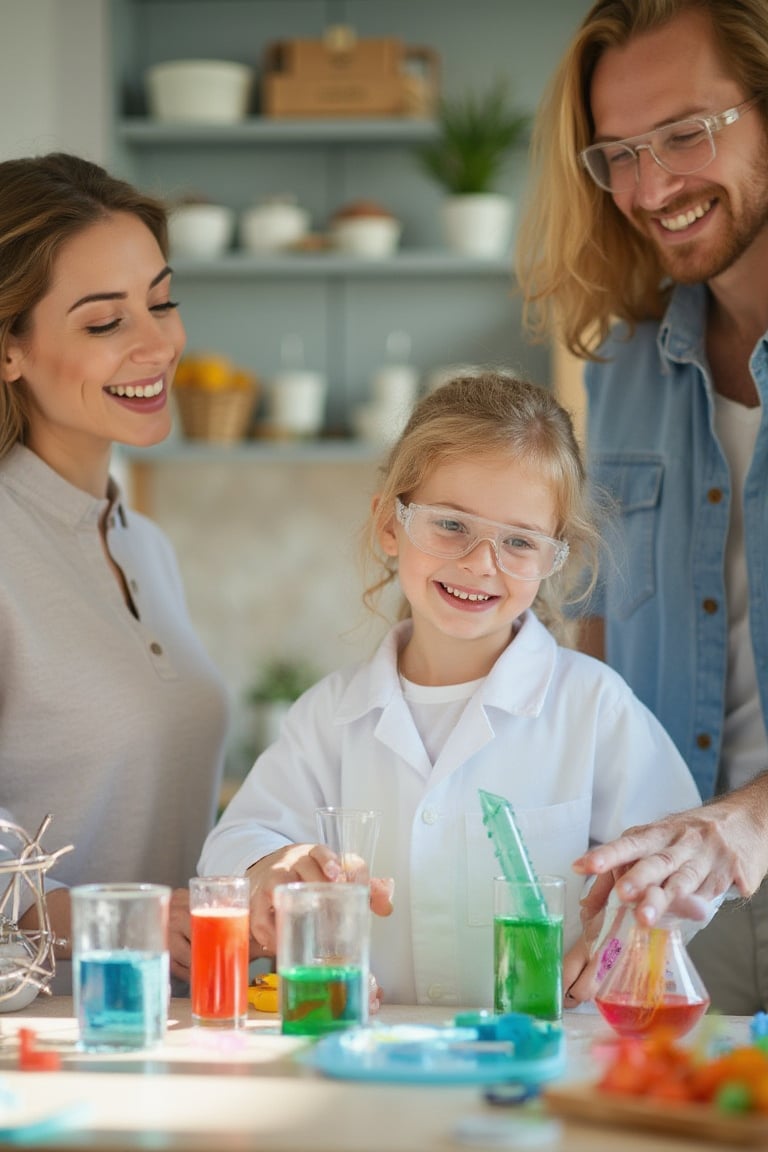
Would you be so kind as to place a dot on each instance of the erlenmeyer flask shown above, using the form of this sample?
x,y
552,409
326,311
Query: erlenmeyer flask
x,y
653,984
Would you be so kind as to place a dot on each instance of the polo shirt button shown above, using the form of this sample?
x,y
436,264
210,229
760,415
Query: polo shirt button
x,y
155,648
429,816
710,606
435,991
703,741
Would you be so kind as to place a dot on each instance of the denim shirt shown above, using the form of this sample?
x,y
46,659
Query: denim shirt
x,y
652,445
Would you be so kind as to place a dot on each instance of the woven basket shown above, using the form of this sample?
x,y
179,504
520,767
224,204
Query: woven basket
x,y
222,416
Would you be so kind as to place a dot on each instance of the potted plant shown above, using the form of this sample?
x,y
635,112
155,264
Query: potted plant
x,y
476,132
270,696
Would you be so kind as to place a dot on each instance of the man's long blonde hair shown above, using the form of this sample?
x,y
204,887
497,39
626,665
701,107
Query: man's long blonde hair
x,y
580,265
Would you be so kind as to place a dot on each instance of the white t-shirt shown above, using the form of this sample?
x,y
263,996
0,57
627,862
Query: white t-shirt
x,y
744,753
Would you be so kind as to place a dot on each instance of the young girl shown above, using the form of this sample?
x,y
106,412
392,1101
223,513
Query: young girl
x,y
482,517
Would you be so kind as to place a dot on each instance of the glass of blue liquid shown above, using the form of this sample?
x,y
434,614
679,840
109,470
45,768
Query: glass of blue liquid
x,y
120,965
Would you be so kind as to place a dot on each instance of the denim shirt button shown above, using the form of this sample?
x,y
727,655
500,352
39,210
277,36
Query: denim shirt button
x,y
710,606
715,495
703,741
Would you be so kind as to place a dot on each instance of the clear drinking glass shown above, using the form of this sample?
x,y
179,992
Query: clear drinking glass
x,y
352,833
218,908
528,946
323,935
120,964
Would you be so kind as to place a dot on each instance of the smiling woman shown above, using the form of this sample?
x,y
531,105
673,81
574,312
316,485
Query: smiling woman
x,y
109,707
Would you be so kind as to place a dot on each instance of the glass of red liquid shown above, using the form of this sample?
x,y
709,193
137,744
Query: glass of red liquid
x,y
651,983
220,944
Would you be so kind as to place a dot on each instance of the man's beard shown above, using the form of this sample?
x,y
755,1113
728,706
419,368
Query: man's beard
x,y
700,260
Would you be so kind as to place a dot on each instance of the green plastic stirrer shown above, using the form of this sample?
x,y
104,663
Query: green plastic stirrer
x,y
511,852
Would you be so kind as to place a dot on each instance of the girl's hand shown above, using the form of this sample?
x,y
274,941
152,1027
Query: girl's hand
x,y
382,893
374,995
309,863
579,974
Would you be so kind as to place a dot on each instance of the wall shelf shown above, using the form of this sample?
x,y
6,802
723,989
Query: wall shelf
x,y
179,450
149,133
406,262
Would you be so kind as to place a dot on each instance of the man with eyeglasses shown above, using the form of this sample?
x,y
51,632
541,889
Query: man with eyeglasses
x,y
645,251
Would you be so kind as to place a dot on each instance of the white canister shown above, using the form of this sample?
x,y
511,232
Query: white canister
x,y
395,387
272,225
297,402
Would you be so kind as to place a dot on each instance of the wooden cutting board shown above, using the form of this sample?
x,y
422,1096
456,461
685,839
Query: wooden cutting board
x,y
700,1121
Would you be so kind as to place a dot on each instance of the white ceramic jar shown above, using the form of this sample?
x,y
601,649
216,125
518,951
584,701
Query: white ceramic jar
x,y
202,230
272,225
375,237
296,402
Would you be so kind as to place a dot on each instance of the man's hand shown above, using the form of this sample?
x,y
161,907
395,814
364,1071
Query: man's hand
x,y
698,853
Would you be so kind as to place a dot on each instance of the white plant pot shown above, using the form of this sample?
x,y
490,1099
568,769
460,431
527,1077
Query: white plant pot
x,y
478,224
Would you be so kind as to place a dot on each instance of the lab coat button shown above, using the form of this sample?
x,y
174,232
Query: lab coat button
x,y
429,816
435,991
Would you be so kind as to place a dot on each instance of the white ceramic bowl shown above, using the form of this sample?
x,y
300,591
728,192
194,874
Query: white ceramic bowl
x,y
214,91
271,226
372,236
203,230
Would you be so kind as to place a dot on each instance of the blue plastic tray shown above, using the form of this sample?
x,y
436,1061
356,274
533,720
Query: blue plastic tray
x,y
448,1055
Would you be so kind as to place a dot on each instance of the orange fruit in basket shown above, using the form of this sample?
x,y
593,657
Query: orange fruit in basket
x,y
241,378
209,371
214,373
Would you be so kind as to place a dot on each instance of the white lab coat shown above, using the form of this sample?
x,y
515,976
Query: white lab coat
x,y
556,732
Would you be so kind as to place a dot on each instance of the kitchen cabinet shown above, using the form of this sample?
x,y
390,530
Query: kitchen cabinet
x,y
456,310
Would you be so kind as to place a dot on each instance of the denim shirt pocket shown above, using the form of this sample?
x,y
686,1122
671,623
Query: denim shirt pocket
x,y
635,483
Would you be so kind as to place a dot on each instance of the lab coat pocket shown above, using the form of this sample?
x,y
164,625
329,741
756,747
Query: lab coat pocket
x,y
635,483
554,836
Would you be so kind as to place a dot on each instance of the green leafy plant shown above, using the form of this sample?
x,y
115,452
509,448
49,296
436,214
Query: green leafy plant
x,y
282,680
476,132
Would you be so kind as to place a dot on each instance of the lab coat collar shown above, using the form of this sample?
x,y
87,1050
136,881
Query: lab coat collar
x,y
517,683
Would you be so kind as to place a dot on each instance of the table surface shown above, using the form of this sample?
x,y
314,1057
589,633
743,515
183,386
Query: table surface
x,y
209,1091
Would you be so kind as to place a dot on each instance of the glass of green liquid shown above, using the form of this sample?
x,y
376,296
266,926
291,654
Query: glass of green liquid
x,y
528,946
323,933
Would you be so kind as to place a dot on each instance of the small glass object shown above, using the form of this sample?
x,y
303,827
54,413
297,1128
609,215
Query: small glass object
x,y
323,935
652,983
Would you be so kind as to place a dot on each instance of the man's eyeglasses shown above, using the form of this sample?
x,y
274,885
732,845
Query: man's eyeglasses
x,y
446,533
685,147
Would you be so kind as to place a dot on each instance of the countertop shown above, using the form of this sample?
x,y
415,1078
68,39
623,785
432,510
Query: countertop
x,y
227,1092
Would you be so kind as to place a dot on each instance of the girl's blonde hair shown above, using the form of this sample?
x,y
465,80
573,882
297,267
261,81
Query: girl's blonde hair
x,y
580,264
45,201
494,415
